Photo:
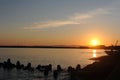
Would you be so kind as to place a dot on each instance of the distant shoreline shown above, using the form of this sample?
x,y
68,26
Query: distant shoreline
x,y
65,47
62,47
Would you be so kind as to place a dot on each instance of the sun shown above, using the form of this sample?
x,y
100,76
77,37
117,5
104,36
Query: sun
x,y
94,42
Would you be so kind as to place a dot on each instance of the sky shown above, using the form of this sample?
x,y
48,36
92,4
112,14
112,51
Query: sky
x,y
59,22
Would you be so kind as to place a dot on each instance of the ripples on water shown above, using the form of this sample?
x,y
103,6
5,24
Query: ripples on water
x,y
64,57
27,75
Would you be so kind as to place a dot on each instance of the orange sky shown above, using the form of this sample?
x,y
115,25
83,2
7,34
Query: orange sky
x,y
65,22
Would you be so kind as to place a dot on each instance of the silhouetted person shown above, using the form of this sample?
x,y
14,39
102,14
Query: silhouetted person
x,y
38,67
70,69
8,64
22,66
1,65
4,65
46,73
50,67
28,67
19,65
8,61
55,74
78,67
59,69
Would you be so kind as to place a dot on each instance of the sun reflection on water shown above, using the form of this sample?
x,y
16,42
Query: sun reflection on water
x,y
94,53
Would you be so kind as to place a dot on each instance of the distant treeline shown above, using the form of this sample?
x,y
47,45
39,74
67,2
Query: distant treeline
x,y
81,47
69,47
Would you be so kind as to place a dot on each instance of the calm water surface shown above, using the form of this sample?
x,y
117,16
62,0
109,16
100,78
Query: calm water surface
x,y
44,56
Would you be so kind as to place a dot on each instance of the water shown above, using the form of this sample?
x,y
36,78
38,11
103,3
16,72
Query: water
x,y
44,56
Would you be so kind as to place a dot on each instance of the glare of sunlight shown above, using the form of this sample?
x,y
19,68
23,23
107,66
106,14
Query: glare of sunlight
x,y
95,42
94,53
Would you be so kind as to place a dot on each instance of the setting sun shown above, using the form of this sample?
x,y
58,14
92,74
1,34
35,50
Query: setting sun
x,y
95,42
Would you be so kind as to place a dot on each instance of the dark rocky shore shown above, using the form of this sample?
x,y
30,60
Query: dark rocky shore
x,y
104,68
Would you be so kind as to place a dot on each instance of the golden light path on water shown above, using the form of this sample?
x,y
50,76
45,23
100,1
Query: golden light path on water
x,y
94,53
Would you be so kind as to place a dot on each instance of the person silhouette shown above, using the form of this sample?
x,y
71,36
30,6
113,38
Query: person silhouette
x,y
55,74
78,67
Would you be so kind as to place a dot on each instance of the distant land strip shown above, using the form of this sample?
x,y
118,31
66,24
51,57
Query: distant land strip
x,y
81,47
68,47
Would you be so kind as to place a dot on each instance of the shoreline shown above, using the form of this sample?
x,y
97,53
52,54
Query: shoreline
x,y
56,47
63,47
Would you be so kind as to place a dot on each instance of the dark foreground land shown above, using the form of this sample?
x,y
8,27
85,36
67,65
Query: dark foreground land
x,y
104,68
